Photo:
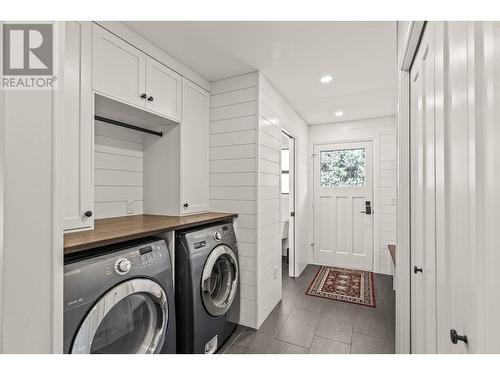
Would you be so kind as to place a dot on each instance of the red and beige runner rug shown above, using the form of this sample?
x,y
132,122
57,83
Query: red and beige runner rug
x,y
343,284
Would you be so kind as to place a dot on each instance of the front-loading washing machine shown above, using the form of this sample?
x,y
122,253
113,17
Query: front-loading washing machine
x,y
206,287
120,299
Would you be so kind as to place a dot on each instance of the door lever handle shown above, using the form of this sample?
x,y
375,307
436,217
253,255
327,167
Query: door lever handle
x,y
455,337
416,269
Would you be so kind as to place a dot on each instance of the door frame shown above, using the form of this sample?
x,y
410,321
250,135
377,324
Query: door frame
x,y
409,46
375,190
292,271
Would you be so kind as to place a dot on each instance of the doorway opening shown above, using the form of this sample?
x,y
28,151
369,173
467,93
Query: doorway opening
x,y
288,204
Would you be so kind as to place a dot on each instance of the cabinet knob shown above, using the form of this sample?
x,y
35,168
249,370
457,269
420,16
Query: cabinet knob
x,y
455,337
186,205
416,269
150,99
144,96
88,213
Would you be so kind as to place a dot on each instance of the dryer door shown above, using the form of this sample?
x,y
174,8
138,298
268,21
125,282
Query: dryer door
x,y
130,318
219,280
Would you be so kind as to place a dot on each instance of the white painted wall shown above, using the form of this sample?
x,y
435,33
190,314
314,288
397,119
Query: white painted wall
x,y
118,170
276,114
383,133
233,174
32,260
246,114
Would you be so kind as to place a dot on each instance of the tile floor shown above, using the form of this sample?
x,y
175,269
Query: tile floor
x,y
302,324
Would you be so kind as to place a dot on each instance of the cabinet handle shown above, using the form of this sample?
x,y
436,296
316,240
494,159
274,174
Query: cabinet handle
x,y
455,337
88,213
150,99
186,205
416,269
144,96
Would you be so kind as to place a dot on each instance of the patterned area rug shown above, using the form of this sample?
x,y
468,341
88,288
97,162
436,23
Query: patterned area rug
x,y
343,284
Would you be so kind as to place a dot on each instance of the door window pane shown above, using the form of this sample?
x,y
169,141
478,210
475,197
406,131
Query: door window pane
x,y
340,168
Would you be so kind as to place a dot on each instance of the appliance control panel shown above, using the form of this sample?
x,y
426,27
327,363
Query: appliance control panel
x,y
150,254
226,230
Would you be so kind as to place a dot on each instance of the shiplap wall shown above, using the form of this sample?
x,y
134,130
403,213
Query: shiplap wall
x,y
233,174
269,205
276,114
383,133
118,170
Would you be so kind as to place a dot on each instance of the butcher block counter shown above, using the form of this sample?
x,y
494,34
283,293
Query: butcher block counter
x,y
119,229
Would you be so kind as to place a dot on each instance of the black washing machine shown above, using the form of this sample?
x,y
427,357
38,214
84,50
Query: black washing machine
x,y
120,300
206,287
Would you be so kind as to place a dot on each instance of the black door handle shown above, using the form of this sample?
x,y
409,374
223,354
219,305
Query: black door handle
x,y
186,205
455,337
144,96
150,99
88,213
416,269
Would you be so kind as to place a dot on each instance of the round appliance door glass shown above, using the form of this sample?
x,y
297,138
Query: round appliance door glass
x,y
130,318
219,280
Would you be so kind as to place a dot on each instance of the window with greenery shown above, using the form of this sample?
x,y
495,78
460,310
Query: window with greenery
x,y
285,171
342,168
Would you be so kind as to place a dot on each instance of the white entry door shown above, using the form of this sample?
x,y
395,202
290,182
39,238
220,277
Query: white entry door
x,y
343,205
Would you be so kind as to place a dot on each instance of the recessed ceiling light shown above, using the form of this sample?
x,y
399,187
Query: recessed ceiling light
x,y
326,79
339,113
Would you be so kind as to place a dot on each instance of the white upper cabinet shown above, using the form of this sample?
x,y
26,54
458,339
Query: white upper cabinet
x,y
127,74
163,88
194,149
118,69
78,127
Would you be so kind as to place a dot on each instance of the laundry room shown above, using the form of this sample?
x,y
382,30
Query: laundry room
x,y
212,188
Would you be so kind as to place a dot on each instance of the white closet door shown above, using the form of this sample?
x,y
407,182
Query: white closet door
x,y
423,283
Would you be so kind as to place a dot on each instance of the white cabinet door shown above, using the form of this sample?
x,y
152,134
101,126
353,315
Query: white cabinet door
x,y
194,149
78,134
163,87
118,69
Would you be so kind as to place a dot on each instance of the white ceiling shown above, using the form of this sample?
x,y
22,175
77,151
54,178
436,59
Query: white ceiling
x,y
361,57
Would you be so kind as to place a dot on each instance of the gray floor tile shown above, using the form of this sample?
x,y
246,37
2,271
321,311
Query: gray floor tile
x,y
299,328
288,302
371,322
254,341
336,326
363,344
302,323
321,345
280,347
272,324
310,303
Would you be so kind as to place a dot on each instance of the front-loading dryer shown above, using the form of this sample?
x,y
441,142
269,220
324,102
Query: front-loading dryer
x,y
207,287
120,299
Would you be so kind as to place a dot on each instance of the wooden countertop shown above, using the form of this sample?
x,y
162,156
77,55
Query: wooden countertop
x,y
119,229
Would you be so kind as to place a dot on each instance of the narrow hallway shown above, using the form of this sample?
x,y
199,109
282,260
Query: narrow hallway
x,y
302,324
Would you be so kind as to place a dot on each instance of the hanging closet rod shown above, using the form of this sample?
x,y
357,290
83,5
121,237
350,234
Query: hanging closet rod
x,y
128,126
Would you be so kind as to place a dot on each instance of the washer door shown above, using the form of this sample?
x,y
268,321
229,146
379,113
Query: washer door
x,y
130,318
219,280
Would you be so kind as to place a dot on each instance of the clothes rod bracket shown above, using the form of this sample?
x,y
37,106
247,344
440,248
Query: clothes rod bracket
x,y
128,126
